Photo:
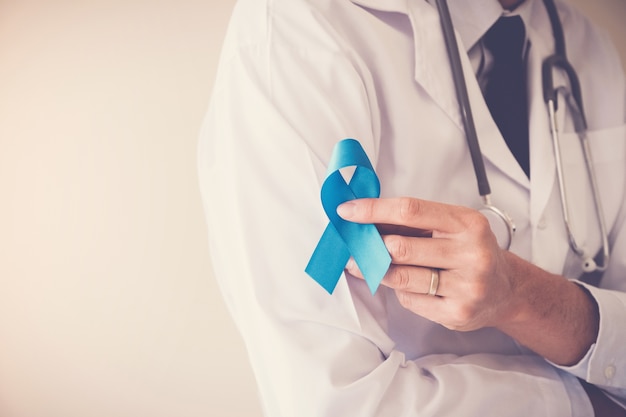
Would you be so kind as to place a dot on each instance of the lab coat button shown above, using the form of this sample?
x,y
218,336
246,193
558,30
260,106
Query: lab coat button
x,y
609,372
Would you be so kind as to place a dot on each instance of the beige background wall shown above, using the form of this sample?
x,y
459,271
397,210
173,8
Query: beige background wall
x,y
107,305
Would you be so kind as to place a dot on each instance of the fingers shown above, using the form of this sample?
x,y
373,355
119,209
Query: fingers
x,y
429,252
405,279
411,285
437,309
456,240
410,213
460,236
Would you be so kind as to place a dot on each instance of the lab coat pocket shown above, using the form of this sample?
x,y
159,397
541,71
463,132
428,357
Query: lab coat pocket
x,y
608,156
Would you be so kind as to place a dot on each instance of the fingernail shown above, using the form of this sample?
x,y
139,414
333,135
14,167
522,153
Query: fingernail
x,y
346,210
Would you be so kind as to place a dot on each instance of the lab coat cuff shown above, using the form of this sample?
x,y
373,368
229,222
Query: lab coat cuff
x,y
605,363
581,368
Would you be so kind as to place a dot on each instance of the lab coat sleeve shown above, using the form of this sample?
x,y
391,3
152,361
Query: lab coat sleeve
x,y
605,363
274,118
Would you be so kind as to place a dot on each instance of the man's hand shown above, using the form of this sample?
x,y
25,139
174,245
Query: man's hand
x,y
480,284
475,288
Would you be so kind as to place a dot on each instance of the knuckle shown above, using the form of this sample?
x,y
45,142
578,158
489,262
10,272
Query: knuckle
x,y
478,291
402,279
463,316
477,223
409,208
405,299
447,251
480,221
397,247
482,258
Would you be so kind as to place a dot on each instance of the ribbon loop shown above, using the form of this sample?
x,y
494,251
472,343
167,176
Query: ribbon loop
x,y
342,238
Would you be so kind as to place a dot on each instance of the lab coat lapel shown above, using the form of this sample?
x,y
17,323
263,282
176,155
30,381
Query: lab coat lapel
x,y
397,6
432,72
432,69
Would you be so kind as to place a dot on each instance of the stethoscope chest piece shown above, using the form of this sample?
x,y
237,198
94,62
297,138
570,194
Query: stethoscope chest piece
x,y
502,225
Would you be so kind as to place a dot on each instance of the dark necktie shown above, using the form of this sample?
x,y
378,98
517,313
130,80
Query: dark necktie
x,y
505,92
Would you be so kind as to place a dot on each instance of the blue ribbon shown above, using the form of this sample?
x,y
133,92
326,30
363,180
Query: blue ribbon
x,y
343,239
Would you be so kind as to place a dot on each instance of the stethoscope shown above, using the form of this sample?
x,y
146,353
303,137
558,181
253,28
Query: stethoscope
x,y
499,219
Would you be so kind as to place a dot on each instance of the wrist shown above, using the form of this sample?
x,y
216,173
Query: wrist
x,y
532,288
556,318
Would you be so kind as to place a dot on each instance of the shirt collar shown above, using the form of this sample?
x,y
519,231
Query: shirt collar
x,y
472,18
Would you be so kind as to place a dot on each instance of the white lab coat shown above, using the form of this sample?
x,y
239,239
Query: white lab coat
x,y
297,76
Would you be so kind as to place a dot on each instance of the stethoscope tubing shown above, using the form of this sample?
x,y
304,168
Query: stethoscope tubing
x,y
465,108
589,264
471,136
556,61
574,103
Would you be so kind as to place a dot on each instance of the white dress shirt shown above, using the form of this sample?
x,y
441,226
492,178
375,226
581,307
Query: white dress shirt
x,y
297,76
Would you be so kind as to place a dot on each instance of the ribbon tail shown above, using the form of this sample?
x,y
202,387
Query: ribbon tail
x,y
328,260
342,238
371,255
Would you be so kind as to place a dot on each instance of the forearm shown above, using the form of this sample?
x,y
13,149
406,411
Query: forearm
x,y
480,284
552,316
